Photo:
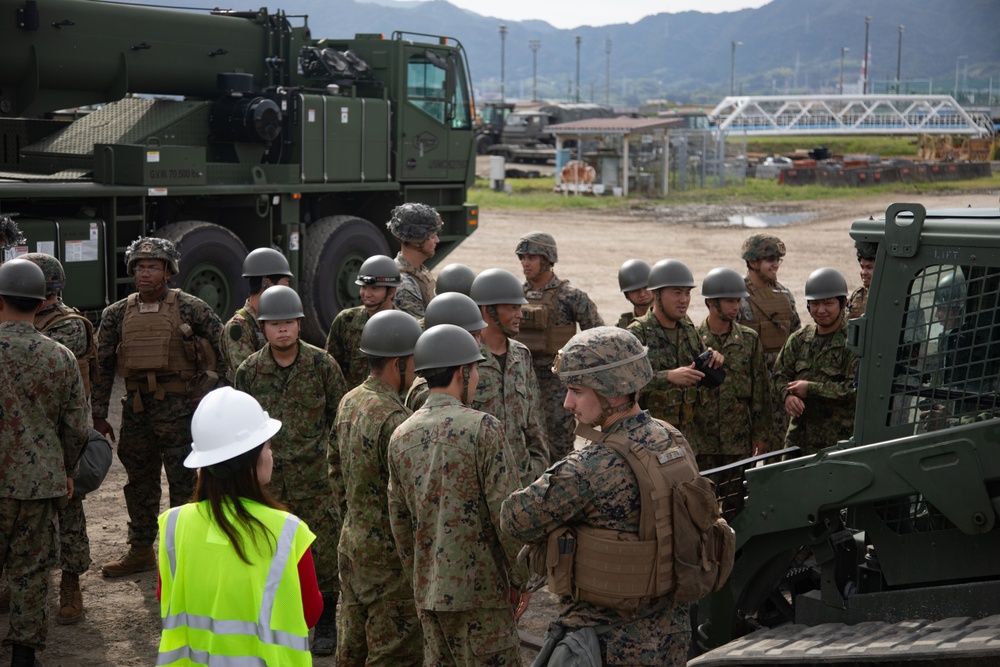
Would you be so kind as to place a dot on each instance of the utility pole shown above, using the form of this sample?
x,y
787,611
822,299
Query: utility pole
x,y
864,89
534,44
503,44
578,39
607,72
732,67
899,58
843,50
958,60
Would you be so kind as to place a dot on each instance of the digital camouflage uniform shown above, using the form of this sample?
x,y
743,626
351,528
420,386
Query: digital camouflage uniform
x,y
417,289
628,318
737,413
595,486
449,470
574,306
829,367
304,398
160,434
242,336
856,303
45,428
377,624
344,343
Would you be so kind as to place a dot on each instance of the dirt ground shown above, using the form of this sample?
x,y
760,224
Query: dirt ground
x,y
121,624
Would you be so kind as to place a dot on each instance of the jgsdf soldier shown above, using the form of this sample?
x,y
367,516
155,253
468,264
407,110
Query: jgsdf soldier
x,y
633,281
449,470
554,309
595,492
735,421
165,344
242,335
378,622
378,279
301,386
814,373
416,227
455,278
44,414
769,308
866,260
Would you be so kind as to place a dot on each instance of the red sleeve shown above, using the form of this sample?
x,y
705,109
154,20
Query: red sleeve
x,y
312,601
159,587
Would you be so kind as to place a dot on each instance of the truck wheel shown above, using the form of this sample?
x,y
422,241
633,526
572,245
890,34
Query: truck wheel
x,y
211,264
483,143
334,250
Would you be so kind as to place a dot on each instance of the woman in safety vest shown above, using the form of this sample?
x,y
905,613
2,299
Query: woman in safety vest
x,y
236,572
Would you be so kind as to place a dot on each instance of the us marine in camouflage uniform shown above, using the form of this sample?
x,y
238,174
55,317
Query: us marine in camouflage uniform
x,y
674,393
449,470
416,227
595,487
162,385
378,622
378,279
735,421
301,386
633,279
242,335
44,415
866,260
769,309
555,308
814,374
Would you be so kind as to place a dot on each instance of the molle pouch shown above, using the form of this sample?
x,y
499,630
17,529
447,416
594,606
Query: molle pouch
x,y
535,317
559,561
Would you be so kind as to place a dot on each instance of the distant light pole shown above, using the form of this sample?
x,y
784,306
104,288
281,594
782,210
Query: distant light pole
x,y
868,23
578,39
535,44
732,68
607,72
503,44
899,57
957,61
843,50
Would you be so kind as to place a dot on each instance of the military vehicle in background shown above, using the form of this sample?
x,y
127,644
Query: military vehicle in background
x,y
525,136
224,131
883,549
489,124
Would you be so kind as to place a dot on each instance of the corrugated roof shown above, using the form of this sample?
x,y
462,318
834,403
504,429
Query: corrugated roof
x,y
621,125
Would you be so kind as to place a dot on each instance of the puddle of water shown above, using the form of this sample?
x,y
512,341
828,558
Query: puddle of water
x,y
757,221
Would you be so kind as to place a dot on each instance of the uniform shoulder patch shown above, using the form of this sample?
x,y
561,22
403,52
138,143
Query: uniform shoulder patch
x,y
235,331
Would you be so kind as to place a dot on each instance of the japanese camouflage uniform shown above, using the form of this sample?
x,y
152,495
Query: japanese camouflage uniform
x,y
242,336
737,413
377,623
627,318
145,344
596,487
304,398
449,470
417,289
856,302
829,367
45,428
343,343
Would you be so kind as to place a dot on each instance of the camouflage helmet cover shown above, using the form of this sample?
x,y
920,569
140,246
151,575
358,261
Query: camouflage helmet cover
x,y
633,275
609,360
414,222
538,243
55,277
454,308
866,250
758,246
279,303
825,283
390,333
22,278
379,271
152,247
455,278
723,283
265,262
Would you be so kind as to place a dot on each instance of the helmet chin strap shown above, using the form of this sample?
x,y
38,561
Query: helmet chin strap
x,y
466,373
492,312
607,411
718,311
419,247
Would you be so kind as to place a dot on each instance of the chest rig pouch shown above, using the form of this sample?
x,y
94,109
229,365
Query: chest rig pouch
x,y
773,315
539,331
87,362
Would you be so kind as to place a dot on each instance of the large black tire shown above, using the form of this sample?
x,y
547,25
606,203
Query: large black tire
x,y
335,247
483,143
211,264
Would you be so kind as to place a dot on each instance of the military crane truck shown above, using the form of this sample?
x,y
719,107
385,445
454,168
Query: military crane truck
x,y
224,131
885,549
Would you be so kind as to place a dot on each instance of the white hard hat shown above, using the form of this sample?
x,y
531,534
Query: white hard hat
x,y
226,424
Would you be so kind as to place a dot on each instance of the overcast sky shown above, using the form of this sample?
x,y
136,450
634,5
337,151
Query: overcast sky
x,y
574,13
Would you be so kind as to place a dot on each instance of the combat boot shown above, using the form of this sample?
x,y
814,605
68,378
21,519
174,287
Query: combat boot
x,y
137,559
70,599
23,656
325,636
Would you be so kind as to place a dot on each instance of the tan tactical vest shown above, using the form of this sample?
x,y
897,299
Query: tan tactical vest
x,y
87,362
424,280
684,547
539,331
772,318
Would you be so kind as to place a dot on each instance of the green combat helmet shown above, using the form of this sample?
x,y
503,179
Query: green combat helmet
x,y
265,262
414,223
950,291
151,247
866,250
453,308
445,346
22,278
670,273
825,283
494,287
759,246
279,303
55,277
538,243
379,271
455,278
633,275
391,333
723,283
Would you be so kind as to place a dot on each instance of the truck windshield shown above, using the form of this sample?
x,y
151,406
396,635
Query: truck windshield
x,y
427,89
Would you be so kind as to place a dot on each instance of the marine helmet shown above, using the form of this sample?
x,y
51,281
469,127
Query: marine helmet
x,y
759,246
390,333
866,250
279,303
226,424
723,283
670,273
52,268
455,278
538,243
379,271
825,283
262,262
609,360
454,308
445,346
413,222
152,247
633,275
22,278
495,287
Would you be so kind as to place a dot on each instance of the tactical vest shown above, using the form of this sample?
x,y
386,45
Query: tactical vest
x,y
423,278
539,331
772,318
87,362
684,547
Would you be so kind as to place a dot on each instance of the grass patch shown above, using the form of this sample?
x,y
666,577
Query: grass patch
x,y
838,145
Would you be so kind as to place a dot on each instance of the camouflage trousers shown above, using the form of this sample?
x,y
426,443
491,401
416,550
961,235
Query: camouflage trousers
x,y
559,421
485,637
319,514
377,623
74,545
29,540
157,438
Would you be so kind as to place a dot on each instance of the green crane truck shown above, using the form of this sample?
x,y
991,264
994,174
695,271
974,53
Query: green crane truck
x,y
884,549
224,131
